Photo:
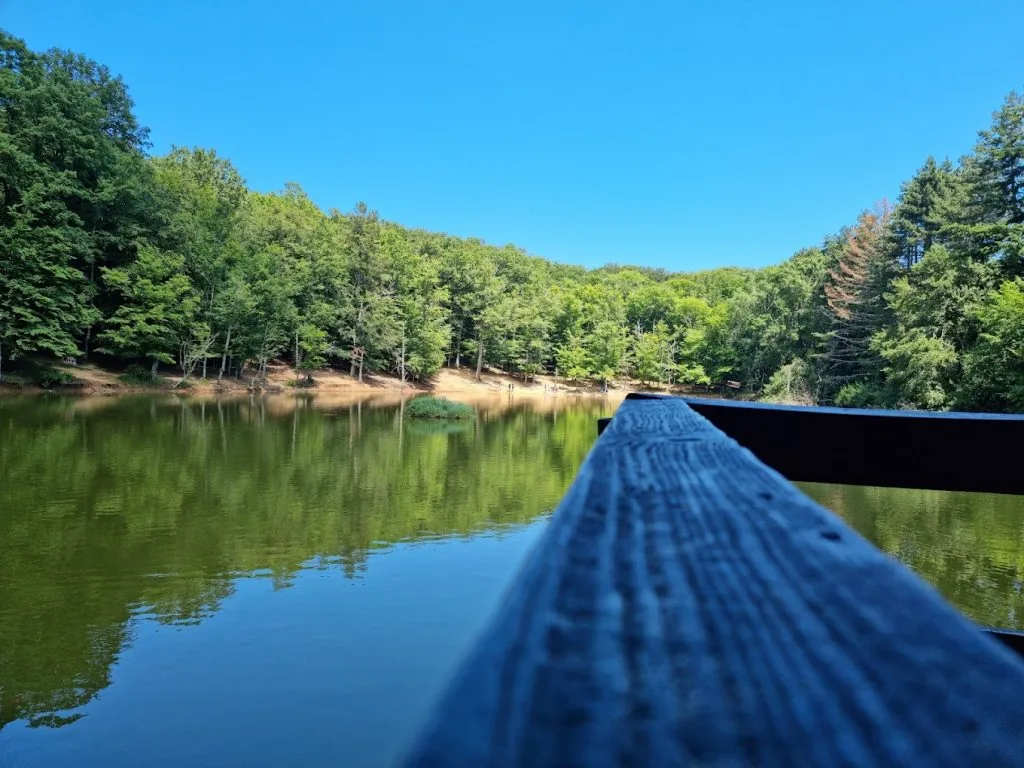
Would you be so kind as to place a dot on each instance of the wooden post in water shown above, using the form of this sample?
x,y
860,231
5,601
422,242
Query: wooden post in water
x,y
688,605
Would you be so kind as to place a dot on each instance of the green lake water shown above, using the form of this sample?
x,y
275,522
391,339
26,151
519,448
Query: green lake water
x,y
290,581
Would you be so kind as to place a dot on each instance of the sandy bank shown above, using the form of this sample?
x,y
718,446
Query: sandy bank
x,y
460,384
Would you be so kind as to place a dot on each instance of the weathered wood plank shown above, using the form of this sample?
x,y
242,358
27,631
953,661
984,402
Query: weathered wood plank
x,y
900,449
689,605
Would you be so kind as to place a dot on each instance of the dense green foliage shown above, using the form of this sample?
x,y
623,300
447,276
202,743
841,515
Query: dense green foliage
x,y
437,408
172,260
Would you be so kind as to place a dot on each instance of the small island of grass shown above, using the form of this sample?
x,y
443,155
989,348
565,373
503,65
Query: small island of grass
x,y
437,408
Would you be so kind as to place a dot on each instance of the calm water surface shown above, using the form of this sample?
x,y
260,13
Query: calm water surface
x,y
265,582
282,582
969,545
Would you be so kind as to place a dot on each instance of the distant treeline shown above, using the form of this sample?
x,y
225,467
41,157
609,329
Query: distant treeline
x,y
171,260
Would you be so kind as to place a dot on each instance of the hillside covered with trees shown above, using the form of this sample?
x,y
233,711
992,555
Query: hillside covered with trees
x,y
109,253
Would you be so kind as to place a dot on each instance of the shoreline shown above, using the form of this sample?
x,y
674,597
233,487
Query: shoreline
x,y
457,383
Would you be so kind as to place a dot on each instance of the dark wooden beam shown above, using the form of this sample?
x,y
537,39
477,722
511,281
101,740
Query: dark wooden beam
x,y
1010,638
688,605
728,417
900,449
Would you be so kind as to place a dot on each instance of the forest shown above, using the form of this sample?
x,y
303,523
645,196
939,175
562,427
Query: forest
x,y
110,254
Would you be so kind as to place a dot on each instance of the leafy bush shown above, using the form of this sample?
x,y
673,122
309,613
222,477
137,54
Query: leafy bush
x,y
50,378
790,384
138,375
860,395
437,408
694,375
993,376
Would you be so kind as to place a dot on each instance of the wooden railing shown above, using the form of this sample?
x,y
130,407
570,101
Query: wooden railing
x,y
688,604
978,452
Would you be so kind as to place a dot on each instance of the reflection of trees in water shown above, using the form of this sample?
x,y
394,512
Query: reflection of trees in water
x,y
969,545
67,674
154,506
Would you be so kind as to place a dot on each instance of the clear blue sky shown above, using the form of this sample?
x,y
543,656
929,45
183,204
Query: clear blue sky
x,y
676,134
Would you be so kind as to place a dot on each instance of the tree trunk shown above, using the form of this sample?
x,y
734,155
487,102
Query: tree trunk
x,y
1,362
152,371
296,358
224,356
403,360
204,369
88,331
352,369
479,358
357,324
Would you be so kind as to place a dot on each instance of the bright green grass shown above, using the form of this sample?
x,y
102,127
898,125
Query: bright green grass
x,y
437,408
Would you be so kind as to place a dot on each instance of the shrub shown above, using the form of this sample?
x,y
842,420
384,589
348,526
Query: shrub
x,y
138,375
860,395
437,408
790,385
51,378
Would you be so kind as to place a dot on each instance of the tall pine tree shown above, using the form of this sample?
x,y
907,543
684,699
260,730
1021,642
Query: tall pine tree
x,y
854,306
930,201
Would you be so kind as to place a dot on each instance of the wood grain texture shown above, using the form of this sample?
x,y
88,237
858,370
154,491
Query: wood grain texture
x,y
689,606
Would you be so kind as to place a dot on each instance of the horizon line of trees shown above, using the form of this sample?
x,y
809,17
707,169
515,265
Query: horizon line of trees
x,y
106,250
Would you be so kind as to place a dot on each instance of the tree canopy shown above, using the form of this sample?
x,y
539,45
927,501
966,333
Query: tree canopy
x,y
106,250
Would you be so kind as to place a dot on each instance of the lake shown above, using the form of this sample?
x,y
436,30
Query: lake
x,y
285,581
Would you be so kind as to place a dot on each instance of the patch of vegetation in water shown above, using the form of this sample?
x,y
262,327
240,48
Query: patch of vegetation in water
x,y
437,408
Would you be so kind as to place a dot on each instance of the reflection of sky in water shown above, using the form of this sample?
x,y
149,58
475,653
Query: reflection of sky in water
x,y
327,668
255,581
